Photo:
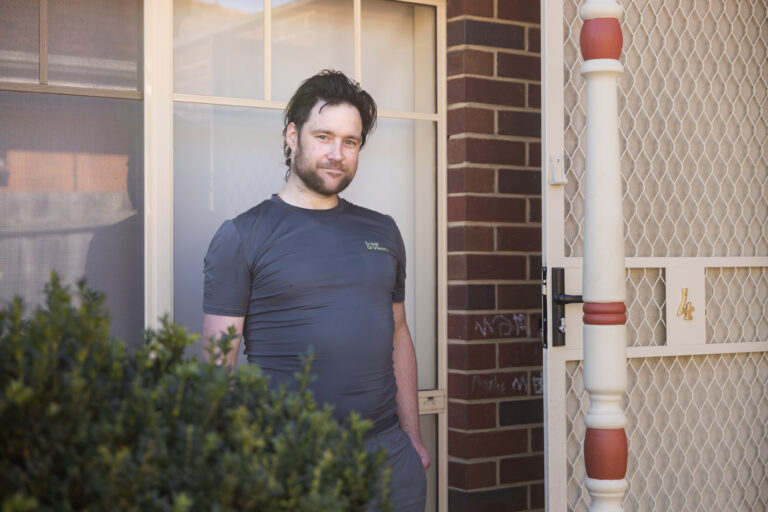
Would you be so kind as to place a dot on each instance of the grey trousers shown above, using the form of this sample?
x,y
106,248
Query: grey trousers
x,y
409,480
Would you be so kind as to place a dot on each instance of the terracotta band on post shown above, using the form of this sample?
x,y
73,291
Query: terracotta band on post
x,y
605,453
601,38
605,313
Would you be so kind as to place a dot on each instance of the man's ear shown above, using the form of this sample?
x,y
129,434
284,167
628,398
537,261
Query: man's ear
x,y
291,136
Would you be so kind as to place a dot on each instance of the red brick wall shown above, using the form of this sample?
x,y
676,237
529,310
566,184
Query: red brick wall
x,y
495,439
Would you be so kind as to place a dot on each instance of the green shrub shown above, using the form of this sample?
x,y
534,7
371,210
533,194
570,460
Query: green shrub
x,y
87,425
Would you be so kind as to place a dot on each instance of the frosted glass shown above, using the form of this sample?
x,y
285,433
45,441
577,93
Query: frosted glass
x,y
218,48
396,176
226,160
93,43
20,41
309,36
398,55
428,429
71,199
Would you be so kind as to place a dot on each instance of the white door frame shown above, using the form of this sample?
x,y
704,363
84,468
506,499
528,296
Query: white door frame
x,y
158,171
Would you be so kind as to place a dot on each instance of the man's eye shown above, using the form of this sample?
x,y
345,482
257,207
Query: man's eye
x,y
352,143
322,137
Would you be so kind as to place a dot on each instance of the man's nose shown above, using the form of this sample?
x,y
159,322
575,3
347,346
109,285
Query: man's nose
x,y
334,152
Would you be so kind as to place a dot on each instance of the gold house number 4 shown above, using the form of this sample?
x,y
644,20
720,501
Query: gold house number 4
x,y
686,308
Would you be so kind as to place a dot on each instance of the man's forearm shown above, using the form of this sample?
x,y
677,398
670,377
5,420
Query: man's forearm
x,y
213,327
404,358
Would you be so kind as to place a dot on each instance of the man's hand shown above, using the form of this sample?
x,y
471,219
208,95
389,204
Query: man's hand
x,y
422,451
404,359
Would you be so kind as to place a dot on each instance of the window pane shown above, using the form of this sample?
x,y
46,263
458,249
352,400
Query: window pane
x,y
428,428
398,54
308,36
226,160
397,176
71,173
218,48
92,43
20,41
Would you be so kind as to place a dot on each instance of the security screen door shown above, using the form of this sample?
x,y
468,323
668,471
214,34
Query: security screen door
x,y
695,170
235,65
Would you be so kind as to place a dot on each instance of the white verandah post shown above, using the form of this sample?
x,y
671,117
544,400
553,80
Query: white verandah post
x,y
605,358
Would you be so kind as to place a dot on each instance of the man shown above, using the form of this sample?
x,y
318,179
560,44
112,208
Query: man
x,y
306,269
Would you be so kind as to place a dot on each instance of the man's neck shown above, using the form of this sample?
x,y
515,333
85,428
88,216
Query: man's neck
x,y
297,194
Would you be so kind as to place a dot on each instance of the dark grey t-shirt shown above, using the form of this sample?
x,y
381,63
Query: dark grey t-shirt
x,y
324,279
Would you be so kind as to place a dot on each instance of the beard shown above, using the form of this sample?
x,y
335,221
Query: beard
x,y
311,174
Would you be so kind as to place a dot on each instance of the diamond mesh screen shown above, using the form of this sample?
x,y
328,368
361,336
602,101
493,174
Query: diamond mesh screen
x,y
736,304
698,433
692,127
646,322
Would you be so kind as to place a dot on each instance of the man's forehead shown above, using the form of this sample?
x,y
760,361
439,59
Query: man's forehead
x,y
324,110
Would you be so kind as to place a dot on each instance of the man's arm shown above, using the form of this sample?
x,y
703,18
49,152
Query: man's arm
x,y
404,359
213,326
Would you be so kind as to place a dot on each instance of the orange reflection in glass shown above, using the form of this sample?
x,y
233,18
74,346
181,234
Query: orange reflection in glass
x,y
38,171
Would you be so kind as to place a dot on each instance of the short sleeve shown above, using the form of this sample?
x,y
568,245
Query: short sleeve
x,y
398,294
227,285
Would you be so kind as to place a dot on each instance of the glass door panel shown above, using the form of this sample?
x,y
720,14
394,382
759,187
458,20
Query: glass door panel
x,y
218,48
226,160
71,174
398,55
396,176
308,36
20,43
429,435
95,44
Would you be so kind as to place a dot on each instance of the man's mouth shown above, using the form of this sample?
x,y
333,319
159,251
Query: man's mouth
x,y
333,171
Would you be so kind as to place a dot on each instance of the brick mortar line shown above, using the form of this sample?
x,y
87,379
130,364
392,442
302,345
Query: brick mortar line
x,y
468,163
493,167
494,253
492,49
494,371
495,108
496,136
496,341
495,52
515,51
522,252
495,78
501,79
505,428
526,483
501,369
491,106
474,223
490,136
493,312
494,19
506,167
495,458
499,342
454,223
482,401
484,195
489,280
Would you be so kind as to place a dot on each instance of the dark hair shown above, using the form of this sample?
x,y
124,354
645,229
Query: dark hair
x,y
334,88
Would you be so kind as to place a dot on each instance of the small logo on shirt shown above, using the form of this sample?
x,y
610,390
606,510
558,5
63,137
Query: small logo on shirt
x,y
374,246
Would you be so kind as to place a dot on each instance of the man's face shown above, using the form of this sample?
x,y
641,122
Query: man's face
x,y
325,152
